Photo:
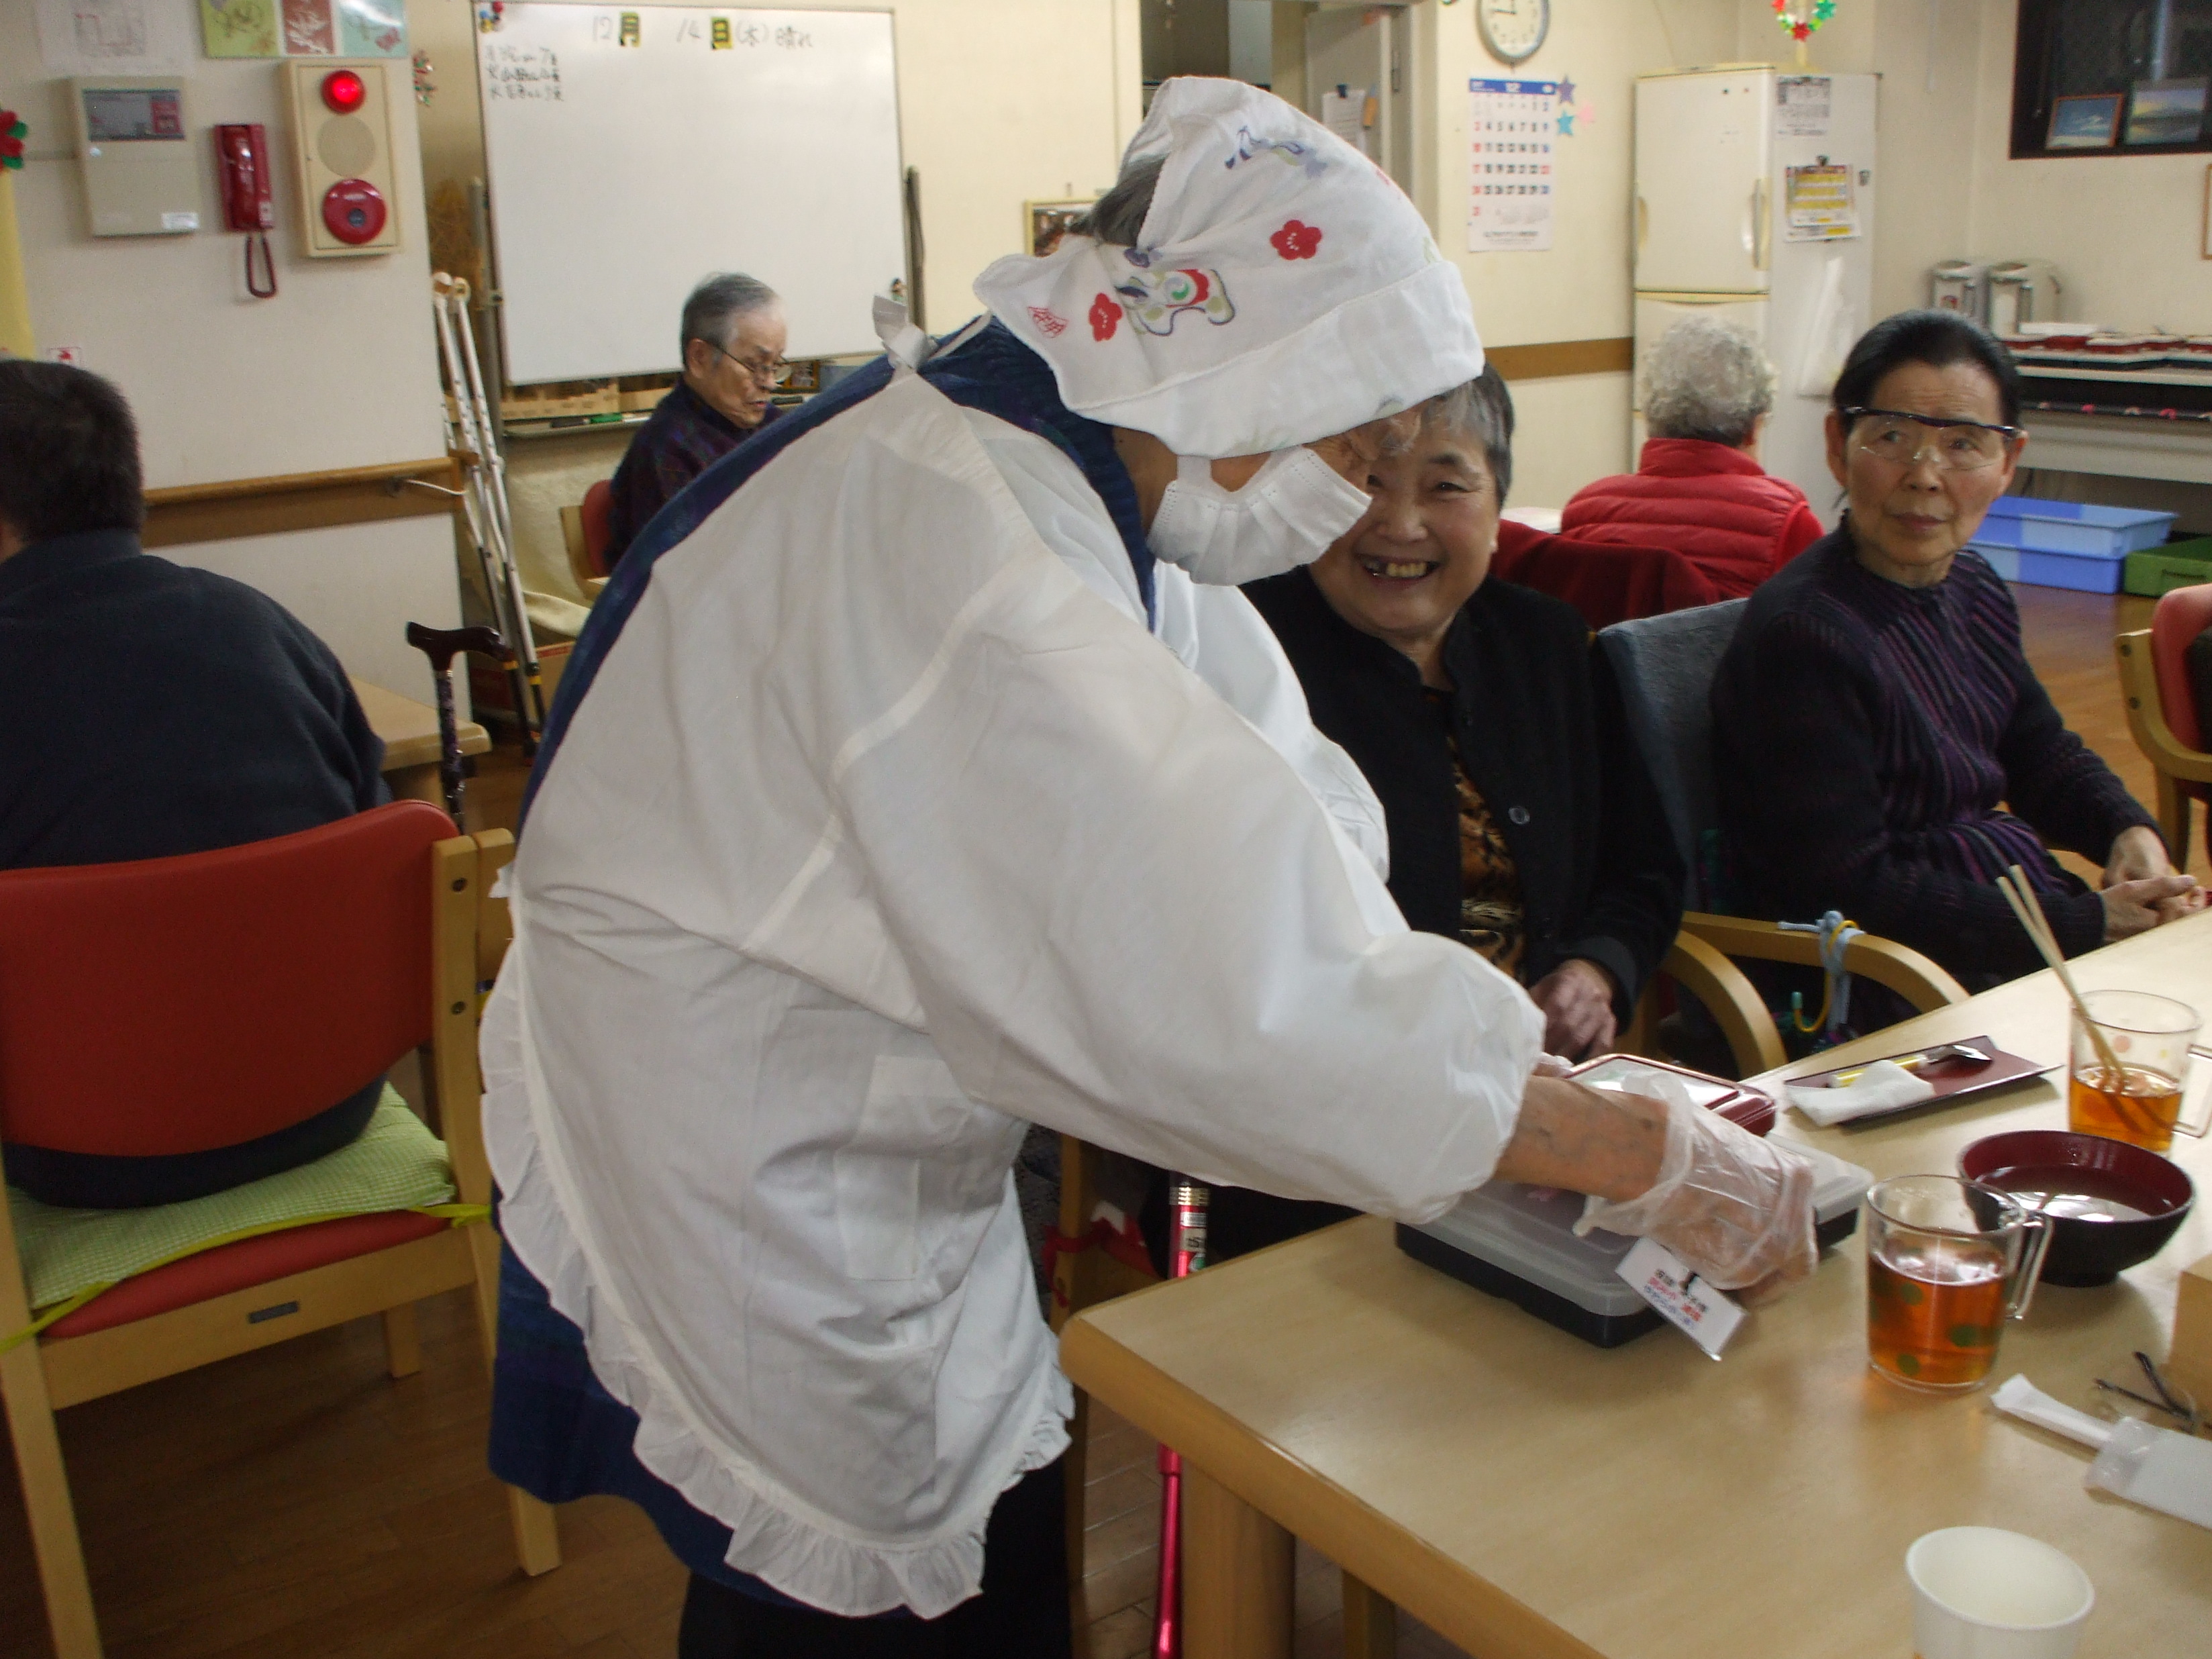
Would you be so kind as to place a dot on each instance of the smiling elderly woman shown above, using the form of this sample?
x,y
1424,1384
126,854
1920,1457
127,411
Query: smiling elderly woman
x,y
1875,706
1521,822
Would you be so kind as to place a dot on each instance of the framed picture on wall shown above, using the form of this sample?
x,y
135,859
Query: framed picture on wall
x,y
1043,223
2091,121
2167,111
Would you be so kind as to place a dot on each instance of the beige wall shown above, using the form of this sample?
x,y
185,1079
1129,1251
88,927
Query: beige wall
x,y
1000,102
338,370
1574,429
2123,231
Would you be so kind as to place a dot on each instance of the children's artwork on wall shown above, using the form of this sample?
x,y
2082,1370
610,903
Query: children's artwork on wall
x,y
2089,122
240,29
303,29
112,37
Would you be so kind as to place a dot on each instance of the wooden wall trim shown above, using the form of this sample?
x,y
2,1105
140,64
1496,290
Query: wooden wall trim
x,y
300,501
1553,358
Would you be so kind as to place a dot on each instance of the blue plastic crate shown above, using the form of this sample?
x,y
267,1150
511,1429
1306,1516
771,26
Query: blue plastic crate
x,y
2042,526
2005,561
2085,573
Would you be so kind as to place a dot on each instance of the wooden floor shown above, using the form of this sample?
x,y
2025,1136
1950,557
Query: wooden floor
x,y
297,1504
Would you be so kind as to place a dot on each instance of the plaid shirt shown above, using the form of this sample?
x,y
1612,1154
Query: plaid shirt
x,y
685,436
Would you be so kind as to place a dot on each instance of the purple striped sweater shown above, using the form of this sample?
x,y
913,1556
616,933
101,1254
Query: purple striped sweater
x,y
1868,740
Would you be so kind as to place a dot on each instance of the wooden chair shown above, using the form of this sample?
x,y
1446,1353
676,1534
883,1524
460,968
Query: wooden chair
x,y
586,532
1703,962
2162,715
242,990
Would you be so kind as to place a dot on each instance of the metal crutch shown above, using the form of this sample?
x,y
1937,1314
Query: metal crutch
x,y
502,524
503,586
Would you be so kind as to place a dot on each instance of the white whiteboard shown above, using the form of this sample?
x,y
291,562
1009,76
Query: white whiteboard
x,y
620,175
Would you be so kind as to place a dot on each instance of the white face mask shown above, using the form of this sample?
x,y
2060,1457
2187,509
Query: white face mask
x,y
1285,516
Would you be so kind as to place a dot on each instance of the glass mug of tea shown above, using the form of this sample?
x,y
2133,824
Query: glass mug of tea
x,y
2148,1037
1948,1261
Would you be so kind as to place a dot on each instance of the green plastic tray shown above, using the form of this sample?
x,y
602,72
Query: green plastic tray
x,y
2157,570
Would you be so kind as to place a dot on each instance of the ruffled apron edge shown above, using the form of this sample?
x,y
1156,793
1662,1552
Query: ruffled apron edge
x,y
774,1536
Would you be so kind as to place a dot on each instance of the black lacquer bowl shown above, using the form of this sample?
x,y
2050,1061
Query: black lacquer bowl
x,y
2111,1206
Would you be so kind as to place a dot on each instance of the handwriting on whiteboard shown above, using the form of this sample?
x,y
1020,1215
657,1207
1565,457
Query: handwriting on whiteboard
x,y
690,30
522,73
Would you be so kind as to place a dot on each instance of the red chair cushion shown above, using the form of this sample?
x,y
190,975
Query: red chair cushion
x,y
2181,616
598,531
178,1005
248,1262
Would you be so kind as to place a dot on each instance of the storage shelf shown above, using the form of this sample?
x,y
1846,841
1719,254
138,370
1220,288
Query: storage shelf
x,y
2145,376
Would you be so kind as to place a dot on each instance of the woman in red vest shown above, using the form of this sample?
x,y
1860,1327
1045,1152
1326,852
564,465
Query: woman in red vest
x,y
1699,487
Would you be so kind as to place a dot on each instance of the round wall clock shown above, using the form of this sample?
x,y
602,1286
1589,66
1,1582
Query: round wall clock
x,y
1513,29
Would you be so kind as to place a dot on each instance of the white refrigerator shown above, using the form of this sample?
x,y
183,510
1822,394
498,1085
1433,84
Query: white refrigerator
x,y
1754,202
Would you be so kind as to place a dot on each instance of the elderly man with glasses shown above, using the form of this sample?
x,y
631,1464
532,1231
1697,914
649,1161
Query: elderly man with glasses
x,y
733,338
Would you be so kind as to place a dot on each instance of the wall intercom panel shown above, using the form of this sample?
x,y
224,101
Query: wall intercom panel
x,y
142,177
341,117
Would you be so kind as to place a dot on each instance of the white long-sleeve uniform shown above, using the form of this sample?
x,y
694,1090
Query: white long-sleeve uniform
x,y
885,829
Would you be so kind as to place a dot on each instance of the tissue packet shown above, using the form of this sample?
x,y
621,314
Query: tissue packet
x,y
2158,1468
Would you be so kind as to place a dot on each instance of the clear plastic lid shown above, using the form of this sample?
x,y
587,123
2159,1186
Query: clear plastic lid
x,y
1529,1231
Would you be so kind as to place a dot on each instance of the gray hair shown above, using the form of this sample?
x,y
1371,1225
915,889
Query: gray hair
x,y
1707,379
717,303
1482,409
1118,216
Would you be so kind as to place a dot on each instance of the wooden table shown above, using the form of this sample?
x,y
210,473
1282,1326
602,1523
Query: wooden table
x,y
409,731
1527,1495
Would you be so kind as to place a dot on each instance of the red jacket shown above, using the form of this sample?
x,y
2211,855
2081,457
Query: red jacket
x,y
1714,505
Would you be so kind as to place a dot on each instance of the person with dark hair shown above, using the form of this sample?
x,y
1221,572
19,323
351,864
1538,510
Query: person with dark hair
x,y
1523,822
1699,487
732,338
1881,746
151,710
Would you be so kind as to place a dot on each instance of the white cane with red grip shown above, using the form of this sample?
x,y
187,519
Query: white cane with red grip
x,y
1185,1255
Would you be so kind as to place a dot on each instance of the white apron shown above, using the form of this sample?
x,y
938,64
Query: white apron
x,y
885,829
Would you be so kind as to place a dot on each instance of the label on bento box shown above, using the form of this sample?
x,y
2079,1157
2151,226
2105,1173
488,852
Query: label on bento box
x,y
1709,1316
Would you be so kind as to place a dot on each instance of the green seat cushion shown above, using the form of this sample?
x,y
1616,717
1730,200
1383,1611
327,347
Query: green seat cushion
x,y
396,1164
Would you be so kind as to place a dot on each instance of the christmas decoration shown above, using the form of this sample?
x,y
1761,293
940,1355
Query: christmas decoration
x,y
1797,23
12,134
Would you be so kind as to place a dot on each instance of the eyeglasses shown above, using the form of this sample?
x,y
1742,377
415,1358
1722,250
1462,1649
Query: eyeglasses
x,y
773,372
1953,444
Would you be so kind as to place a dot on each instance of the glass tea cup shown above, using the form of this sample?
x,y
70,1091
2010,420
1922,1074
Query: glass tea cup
x,y
1948,1261
2149,1037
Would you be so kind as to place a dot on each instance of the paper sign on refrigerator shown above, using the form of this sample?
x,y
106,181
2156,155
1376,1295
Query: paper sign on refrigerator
x,y
1818,204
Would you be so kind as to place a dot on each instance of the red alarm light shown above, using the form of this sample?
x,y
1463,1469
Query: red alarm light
x,y
345,91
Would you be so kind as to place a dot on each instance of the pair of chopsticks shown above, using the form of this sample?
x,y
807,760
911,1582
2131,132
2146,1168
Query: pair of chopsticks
x,y
2025,905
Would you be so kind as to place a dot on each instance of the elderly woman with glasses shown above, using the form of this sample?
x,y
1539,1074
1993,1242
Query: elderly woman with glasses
x,y
1881,746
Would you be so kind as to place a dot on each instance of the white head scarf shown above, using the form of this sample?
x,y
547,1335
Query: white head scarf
x,y
1284,290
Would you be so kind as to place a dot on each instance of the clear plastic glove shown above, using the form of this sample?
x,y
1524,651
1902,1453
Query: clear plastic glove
x,y
1737,1209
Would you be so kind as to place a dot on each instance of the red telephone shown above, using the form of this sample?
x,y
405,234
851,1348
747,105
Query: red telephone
x,y
242,158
